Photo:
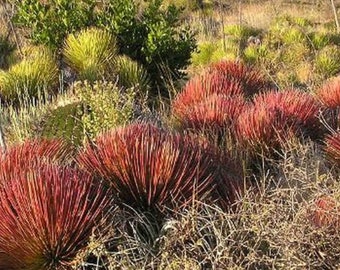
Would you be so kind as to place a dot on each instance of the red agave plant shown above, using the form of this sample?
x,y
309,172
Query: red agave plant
x,y
325,212
332,147
201,87
250,79
32,153
216,113
47,215
150,168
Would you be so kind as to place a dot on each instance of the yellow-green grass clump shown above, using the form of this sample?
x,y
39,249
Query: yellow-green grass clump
x,y
131,74
90,53
30,77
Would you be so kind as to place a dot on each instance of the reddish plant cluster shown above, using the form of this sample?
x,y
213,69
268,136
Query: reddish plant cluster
x,y
329,96
214,114
277,116
32,153
325,213
199,88
150,168
250,79
332,147
47,211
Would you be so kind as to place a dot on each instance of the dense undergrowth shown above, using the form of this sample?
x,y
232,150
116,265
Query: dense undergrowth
x,y
114,159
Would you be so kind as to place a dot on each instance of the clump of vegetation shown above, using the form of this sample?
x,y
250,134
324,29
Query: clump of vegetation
x,y
6,48
30,77
105,106
277,116
154,169
52,212
155,40
90,53
64,122
50,22
130,74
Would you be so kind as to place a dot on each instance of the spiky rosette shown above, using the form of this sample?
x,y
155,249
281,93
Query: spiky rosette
x,y
262,129
200,87
149,168
276,117
332,147
47,216
216,114
299,109
250,79
329,94
32,153
325,212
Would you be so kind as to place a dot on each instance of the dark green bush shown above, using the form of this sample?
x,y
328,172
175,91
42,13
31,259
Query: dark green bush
x,y
51,21
150,35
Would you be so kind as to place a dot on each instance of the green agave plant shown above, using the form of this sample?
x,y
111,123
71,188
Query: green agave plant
x,y
90,53
131,74
29,77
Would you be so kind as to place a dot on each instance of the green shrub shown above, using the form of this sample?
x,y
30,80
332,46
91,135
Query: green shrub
x,y
105,106
51,21
90,53
30,77
152,35
64,122
130,74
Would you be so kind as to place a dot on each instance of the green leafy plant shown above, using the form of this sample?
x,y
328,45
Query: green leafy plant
x,y
105,106
64,122
90,53
152,35
51,21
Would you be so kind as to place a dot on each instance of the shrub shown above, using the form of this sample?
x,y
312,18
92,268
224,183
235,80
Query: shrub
x,y
51,21
47,216
90,53
300,109
104,106
130,74
329,94
30,77
207,53
149,168
64,122
250,79
151,35
6,48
